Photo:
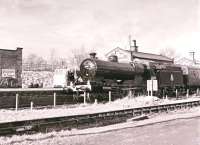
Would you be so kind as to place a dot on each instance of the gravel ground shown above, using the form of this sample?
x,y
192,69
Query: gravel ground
x,y
125,103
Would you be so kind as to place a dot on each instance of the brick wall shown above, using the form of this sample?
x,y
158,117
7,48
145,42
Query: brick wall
x,y
12,59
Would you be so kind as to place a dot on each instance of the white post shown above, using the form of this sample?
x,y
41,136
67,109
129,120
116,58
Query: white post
x,y
163,94
110,96
54,99
88,82
95,101
152,88
16,102
31,105
84,97
71,84
130,93
187,93
88,95
176,94
197,92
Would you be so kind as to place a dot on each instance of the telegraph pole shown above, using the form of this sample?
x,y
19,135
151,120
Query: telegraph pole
x,y
135,46
130,47
193,58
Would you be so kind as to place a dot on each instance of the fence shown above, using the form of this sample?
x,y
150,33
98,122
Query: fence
x,y
41,67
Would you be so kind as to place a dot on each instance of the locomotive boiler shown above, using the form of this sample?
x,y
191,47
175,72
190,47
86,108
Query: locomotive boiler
x,y
93,68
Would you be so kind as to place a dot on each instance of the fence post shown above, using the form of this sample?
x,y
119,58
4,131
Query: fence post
x,y
88,96
197,92
130,94
187,93
176,94
110,96
31,105
84,97
163,93
16,101
54,99
95,101
151,92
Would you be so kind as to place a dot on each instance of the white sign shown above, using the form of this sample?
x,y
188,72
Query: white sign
x,y
171,77
155,85
152,85
149,85
60,78
8,73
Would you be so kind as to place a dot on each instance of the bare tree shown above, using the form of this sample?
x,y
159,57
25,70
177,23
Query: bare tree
x,y
34,62
31,59
34,59
169,52
60,63
78,55
52,55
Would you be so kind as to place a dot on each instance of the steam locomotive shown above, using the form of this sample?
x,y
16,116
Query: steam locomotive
x,y
121,78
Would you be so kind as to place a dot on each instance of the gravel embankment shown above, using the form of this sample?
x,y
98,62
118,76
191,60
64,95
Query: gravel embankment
x,y
125,103
79,137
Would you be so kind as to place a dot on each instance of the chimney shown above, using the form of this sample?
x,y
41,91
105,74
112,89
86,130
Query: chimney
x,y
93,55
135,46
19,48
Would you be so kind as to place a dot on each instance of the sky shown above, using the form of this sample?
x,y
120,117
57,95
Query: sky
x,y
60,26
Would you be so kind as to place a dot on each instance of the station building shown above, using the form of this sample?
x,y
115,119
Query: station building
x,y
11,65
126,56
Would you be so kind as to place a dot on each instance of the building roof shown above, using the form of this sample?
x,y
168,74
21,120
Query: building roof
x,y
18,48
187,61
142,55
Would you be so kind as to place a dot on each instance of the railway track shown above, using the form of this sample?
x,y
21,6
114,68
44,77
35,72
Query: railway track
x,y
87,120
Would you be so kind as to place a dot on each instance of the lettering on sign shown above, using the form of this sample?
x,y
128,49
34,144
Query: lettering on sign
x,y
8,73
